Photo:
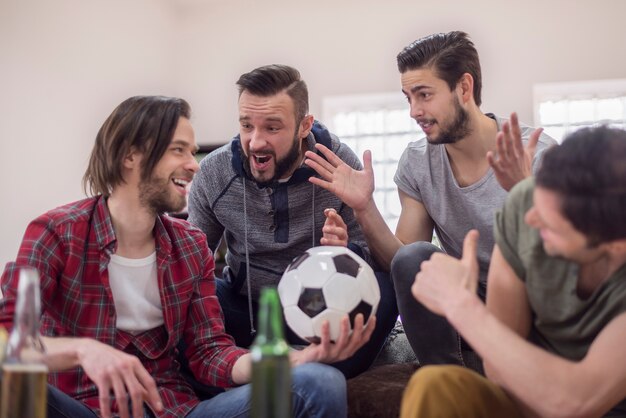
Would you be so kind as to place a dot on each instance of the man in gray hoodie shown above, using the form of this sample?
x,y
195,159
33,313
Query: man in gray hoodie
x,y
254,192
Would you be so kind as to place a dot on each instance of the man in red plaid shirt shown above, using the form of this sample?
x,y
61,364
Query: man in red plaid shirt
x,y
122,283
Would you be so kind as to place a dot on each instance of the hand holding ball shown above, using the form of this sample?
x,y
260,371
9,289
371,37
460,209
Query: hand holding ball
x,y
325,284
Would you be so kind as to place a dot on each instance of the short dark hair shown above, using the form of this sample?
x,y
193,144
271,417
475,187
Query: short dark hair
x,y
270,80
450,55
144,122
588,171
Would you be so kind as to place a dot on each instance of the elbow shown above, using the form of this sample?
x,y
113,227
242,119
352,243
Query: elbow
x,y
566,405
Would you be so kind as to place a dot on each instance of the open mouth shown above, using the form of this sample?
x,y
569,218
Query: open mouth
x,y
426,125
181,184
261,161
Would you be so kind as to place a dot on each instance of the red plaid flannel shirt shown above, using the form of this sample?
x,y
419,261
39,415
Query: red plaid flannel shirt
x,y
71,246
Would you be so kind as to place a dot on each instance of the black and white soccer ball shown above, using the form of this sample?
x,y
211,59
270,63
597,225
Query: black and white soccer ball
x,y
326,283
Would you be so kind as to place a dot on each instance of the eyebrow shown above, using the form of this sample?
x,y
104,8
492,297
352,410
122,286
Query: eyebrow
x,y
184,143
267,119
417,88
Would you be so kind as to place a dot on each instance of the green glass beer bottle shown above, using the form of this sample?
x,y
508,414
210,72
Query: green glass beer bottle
x,y
271,374
24,374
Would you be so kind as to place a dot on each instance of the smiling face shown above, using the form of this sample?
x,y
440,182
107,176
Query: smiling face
x,y
559,236
271,139
436,109
166,189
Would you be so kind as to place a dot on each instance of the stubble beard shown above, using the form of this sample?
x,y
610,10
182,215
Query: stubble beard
x,y
154,194
458,129
282,166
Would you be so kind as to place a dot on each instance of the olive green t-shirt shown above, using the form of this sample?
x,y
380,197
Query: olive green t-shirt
x,y
563,323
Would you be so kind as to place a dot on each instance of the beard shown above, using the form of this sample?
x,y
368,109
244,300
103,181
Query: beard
x,y
458,129
282,166
154,193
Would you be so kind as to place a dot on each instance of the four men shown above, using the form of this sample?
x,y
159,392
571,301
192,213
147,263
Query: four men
x,y
123,283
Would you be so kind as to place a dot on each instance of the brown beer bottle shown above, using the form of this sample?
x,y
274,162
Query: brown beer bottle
x,y
24,375
271,372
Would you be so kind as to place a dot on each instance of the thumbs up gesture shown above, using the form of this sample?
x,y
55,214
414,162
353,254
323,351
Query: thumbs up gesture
x,y
444,281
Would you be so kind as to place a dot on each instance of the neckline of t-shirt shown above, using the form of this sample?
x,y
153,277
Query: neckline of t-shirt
x,y
134,262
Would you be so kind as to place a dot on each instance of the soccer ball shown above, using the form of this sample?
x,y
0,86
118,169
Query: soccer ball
x,y
326,283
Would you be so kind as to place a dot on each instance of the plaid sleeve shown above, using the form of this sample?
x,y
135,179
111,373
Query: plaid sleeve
x,y
211,352
42,249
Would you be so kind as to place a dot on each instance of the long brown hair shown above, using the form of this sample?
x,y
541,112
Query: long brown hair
x,y
146,123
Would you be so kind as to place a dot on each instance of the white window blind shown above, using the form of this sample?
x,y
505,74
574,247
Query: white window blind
x,y
380,123
561,108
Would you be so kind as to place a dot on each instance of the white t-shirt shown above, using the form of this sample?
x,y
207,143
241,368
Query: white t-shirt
x,y
135,288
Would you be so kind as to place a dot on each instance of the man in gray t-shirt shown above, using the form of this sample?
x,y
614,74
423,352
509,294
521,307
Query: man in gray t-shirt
x,y
450,182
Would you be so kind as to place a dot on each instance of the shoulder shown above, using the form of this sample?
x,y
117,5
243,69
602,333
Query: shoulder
x,y
71,213
521,195
416,152
345,153
217,168
181,227
218,157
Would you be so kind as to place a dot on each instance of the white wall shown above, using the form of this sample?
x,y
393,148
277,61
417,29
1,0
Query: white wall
x,y
65,64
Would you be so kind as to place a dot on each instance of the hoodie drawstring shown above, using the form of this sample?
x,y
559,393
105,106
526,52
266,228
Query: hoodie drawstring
x,y
245,235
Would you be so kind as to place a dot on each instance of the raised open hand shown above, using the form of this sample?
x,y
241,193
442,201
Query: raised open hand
x,y
355,188
512,162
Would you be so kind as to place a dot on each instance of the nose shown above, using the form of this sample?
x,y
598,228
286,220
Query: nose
x,y
257,141
192,165
532,218
416,110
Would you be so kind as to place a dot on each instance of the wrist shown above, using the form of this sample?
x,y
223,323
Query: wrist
x,y
463,309
366,211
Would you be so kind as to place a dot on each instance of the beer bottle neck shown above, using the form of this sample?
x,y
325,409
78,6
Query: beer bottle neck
x,y
24,342
270,324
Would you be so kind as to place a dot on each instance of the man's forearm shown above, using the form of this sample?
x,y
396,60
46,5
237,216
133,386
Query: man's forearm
x,y
383,244
533,376
242,370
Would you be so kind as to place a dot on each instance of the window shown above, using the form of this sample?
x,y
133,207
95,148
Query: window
x,y
564,107
380,123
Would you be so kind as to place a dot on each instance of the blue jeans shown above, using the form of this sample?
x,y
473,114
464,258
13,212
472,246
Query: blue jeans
x,y
431,336
237,323
317,391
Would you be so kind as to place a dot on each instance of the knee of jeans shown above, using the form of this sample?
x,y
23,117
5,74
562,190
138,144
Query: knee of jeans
x,y
319,381
406,263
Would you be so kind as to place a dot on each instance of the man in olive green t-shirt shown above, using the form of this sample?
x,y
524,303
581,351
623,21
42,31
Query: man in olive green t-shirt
x,y
553,331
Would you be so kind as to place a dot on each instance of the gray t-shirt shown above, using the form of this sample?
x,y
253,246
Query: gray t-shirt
x,y
424,173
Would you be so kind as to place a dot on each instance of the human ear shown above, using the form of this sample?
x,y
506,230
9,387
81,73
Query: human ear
x,y
305,126
465,87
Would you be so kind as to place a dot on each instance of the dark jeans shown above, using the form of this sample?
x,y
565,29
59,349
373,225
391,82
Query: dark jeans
x,y
431,336
237,323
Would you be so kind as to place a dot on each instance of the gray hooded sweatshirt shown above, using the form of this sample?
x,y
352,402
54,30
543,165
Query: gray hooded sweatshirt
x,y
266,227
